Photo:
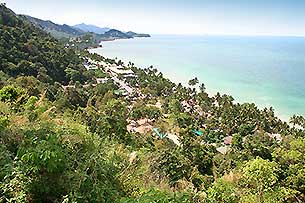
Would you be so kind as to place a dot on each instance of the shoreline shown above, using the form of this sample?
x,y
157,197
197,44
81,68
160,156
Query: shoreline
x,y
212,93
121,39
264,102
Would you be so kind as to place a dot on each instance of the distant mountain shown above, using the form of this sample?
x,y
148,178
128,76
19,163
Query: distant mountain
x,y
81,30
133,34
58,31
92,28
116,34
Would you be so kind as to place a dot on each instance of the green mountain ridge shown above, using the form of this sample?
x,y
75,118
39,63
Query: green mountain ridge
x,y
66,31
56,30
133,34
92,28
116,34
28,50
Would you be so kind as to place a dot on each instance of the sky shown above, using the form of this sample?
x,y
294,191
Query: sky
x,y
223,17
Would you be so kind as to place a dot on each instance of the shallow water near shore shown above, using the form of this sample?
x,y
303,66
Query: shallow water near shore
x,y
269,71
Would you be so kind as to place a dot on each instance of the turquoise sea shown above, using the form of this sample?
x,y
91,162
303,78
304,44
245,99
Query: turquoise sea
x,y
269,71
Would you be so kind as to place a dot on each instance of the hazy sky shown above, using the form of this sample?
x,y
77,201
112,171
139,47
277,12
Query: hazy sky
x,y
240,17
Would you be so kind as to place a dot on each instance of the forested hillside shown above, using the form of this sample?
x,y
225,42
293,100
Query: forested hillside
x,y
58,31
28,51
64,137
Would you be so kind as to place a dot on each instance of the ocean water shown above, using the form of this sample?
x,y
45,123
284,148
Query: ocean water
x,y
269,71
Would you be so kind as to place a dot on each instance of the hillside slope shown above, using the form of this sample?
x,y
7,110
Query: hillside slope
x,y
133,34
56,30
28,50
116,34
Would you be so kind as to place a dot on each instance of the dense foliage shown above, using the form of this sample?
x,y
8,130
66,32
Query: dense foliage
x,y
27,50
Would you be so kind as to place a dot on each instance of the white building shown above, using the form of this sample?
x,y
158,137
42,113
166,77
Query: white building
x,y
119,70
90,66
102,63
101,80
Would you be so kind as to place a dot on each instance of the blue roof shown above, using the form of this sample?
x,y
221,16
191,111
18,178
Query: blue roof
x,y
198,132
161,135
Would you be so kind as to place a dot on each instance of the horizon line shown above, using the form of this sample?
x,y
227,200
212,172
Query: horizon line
x,y
229,34
186,34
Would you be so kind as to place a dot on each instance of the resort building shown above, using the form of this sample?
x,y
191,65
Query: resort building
x,y
101,80
102,63
90,64
223,150
119,70
227,140
90,67
121,92
277,137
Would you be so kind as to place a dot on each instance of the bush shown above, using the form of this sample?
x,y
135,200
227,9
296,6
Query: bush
x,y
10,93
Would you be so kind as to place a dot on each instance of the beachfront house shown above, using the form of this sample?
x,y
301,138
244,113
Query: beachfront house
x,y
90,64
120,70
102,64
198,132
277,137
121,92
102,80
159,134
223,149
227,140
141,126
174,138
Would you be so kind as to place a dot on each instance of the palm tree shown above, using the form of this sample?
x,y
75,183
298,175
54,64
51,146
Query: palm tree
x,y
194,81
202,87
301,120
293,120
